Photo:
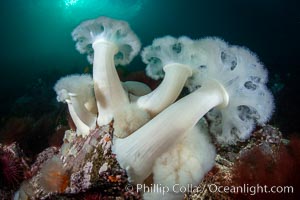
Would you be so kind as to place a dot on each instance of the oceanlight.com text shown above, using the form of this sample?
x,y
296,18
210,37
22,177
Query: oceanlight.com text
x,y
213,188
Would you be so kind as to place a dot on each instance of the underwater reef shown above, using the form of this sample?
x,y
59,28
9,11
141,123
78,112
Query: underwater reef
x,y
122,135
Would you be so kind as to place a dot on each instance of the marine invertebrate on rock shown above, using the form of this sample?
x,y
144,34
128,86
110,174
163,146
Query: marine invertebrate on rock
x,y
184,164
234,87
191,149
107,42
243,78
172,59
138,152
11,170
152,133
77,90
129,119
54,177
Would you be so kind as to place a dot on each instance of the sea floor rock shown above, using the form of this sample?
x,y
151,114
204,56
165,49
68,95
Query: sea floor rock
x,y
266,140
89,165
91,171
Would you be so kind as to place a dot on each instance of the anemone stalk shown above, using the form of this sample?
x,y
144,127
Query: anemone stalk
x,y
168,91
109,92
137,152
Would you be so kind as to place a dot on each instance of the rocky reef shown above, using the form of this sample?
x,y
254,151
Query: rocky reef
x,y
89,169
80,169
125,141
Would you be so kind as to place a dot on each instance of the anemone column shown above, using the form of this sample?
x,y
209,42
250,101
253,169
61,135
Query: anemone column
x,y
137,152
109,92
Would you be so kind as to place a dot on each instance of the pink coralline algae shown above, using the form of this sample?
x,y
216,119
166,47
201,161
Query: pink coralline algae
x,y
90,166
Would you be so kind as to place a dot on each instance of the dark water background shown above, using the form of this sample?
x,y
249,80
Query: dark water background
x,y
37,46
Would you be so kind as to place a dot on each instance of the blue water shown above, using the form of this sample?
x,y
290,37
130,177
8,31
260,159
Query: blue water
x,y
36,41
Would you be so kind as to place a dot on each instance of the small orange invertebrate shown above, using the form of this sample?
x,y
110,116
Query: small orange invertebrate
x,y
54,178
113,178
